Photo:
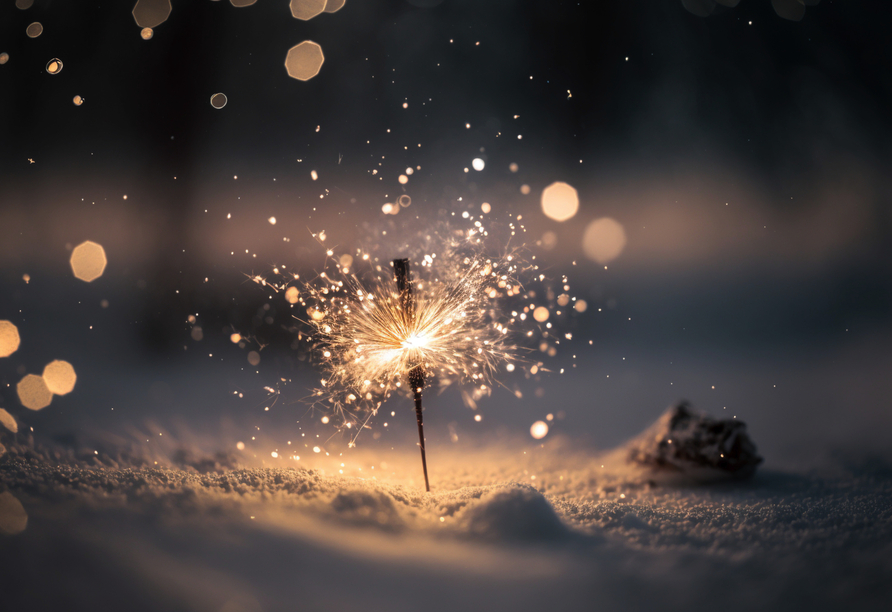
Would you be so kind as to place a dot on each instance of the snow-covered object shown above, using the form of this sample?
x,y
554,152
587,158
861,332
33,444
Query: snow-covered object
x,y
693,444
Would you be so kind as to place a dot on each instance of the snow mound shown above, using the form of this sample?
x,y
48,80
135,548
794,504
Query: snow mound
x,y
515,514
367,507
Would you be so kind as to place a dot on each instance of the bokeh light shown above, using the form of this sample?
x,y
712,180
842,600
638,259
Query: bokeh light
x,y
794,10
146,33
306,9
151,13
8,421
478,164
541,314
292,295
604,240
59,377
304,60
88,261
560,201
33,392
4,57
34,30
242,3
218,100
581,306
9,338
77,100
254,358
13,518
333,6
23,4
539,430
54,66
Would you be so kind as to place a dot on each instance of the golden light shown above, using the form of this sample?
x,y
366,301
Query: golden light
x,y
241,3
292,295
235,338
34,30
549,240
539,430
304,60
13,518
560,201
4,57
88,261
218,100
541,314
151,13
306,9
254,358
8,421
54,66
146,33
23,4
9,338
604,240
581,306
478,164
403,179
33,392
77,100
333,6
485,208
525,189
59,377
512,167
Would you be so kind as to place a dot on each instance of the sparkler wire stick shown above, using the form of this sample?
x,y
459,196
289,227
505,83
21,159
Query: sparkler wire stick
x,y
416,374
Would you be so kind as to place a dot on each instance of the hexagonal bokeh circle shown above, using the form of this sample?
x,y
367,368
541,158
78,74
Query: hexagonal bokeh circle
x,y
88,261
304,60
306,9
151,13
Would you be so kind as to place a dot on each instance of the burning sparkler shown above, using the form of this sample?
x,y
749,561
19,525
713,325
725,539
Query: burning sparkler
x,y
416,374
384,331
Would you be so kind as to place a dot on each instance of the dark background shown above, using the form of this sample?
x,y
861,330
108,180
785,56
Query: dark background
x,y
746,156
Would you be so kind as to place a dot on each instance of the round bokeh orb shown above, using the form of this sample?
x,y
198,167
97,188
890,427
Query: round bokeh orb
x,y
88,261
604,240
9,338
59,377
560,201
219,100
33,392
54,66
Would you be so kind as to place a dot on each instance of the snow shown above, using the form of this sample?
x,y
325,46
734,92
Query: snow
x,y
123,534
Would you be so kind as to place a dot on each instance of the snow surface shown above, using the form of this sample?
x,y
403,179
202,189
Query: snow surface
x,y
204,534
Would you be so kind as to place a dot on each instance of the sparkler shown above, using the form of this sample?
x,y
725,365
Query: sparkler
x,y
416,374
379,330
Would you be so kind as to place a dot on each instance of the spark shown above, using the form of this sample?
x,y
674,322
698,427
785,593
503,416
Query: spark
x,y
467,327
